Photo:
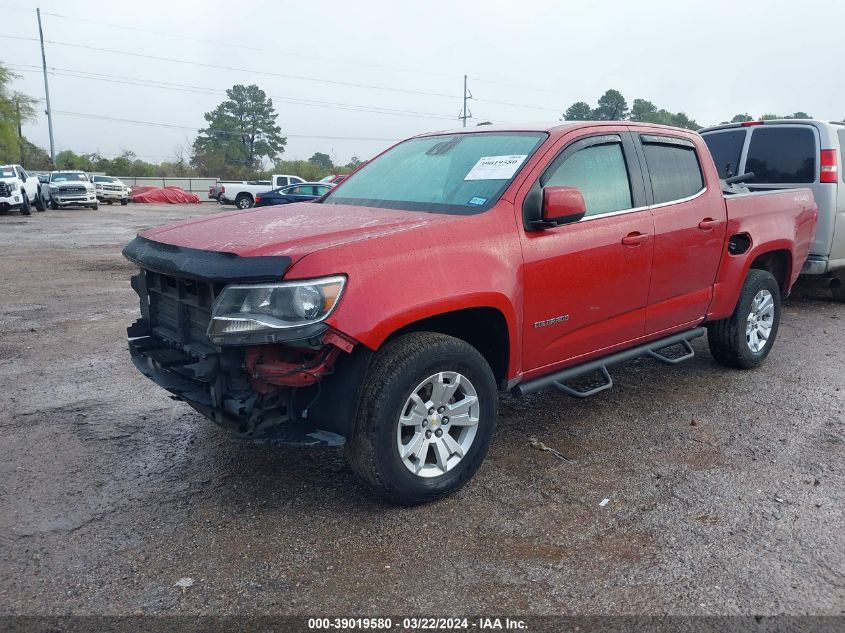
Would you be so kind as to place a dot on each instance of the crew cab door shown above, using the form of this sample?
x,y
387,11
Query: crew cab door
x,y
28,184
690,222
586,283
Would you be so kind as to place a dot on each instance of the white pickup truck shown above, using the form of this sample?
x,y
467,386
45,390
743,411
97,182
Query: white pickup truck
x,y
19,190
242,194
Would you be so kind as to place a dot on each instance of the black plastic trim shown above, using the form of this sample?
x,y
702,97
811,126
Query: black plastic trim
x,y
208,266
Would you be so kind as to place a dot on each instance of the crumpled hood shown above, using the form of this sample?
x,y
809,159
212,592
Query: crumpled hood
x,y
294,230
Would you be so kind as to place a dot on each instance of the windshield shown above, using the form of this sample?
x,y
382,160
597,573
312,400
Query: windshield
x,y
70,177
460,174
7,172
104,179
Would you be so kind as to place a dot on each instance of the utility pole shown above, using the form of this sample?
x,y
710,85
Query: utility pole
x,y
49,112
465,114
20,130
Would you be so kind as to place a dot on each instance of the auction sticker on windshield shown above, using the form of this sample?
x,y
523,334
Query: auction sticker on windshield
x,y
495,167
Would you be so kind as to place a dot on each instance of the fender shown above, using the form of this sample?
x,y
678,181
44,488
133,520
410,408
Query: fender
x,y
471,262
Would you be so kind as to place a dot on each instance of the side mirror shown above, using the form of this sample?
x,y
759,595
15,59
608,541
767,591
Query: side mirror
x,y
561,205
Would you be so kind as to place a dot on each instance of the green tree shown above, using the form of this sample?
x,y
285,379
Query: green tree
x,y
741,118
680,119
611,107
324,161
241,132
15,109
579,111
644,111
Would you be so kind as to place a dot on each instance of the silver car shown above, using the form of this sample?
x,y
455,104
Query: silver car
x,y
786,153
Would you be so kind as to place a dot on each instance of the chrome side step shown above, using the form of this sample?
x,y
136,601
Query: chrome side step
x,y
659,350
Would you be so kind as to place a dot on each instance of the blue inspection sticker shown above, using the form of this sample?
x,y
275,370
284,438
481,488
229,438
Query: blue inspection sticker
x,y
477,201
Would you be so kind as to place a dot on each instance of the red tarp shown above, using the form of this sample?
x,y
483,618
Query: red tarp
x,y
172,195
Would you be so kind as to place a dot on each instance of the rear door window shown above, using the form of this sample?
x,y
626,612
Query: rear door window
x,y
673,167
782,154
726,148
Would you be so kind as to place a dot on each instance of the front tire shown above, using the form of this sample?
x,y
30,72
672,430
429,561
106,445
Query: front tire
x,y
124,202
95,206
744,339
39,203
26,209
54,205
425,419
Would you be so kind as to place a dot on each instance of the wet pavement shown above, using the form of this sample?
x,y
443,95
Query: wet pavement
x,y
725,488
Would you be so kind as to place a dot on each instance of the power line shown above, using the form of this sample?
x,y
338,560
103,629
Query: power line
x,y
149,83
182,36
273,74
348,84
103,117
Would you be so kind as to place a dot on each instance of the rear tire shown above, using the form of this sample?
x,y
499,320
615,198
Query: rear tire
x,y
244,201
109,202
744,339
432,370
26,209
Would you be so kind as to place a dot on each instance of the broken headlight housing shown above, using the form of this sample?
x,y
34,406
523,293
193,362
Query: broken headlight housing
x,y
252,314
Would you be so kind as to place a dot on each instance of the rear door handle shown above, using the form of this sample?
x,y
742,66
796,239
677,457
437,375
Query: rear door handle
x,y
635,239
708,224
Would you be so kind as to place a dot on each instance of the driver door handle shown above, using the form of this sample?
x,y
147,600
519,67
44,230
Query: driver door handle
x,y
635,239
707,224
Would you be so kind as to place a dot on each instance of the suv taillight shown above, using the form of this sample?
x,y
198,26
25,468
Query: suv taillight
x,y
830,168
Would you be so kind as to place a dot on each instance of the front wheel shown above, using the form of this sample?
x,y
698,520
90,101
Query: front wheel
x,y
95,206
39,202
26,209
54,205
744,339
124,202
425,420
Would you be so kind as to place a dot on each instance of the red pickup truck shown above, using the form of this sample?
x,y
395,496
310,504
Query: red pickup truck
x,y
386,315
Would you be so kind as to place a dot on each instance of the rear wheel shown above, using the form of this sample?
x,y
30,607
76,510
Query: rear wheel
x,y
244,201
425,419
109,202
745,338
26,209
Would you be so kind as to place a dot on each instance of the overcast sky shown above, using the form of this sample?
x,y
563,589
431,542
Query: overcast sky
x,y
709,59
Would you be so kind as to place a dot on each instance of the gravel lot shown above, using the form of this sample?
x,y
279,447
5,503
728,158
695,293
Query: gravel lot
x,y
726,489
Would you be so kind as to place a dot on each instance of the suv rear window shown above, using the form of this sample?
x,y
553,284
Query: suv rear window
x,y
673,167
779,154
726,148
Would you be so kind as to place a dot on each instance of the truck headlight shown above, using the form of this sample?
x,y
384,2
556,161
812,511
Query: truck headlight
x,y
258,313
13,186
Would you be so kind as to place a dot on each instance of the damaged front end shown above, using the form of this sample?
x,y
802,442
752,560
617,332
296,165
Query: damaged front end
x,y
284,389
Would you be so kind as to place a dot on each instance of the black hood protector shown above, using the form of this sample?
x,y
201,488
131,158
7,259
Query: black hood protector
x,y
208,266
